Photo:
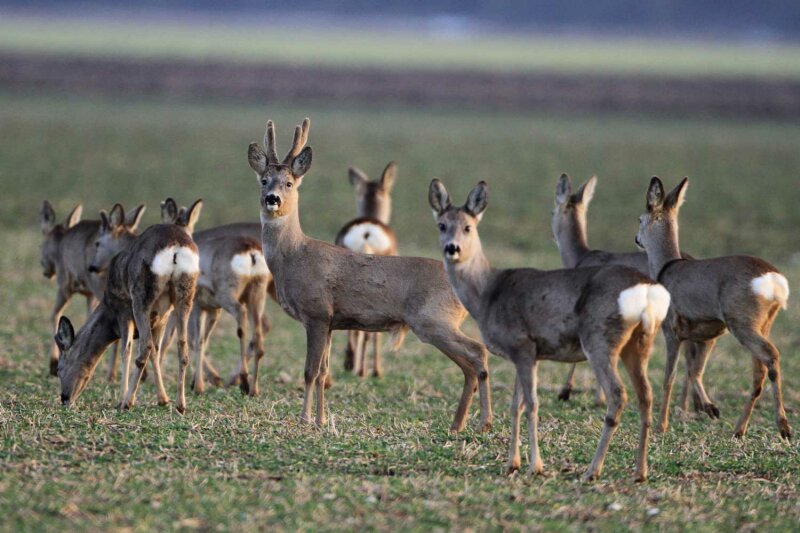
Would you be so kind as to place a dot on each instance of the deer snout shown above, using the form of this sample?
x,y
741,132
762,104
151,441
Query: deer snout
x,y
451,250
65,399
272,201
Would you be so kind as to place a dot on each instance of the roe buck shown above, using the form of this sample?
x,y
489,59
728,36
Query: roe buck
x,y
599,314
155,274
66,253
740,294
569,232
326,287
369,233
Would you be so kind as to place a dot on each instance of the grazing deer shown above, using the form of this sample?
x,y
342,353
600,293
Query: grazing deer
x,y
739,294
599,314
569,232
156,273
66,253
369,233
326,287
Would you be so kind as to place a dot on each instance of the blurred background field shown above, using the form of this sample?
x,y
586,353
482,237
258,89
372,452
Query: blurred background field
x,y
101,103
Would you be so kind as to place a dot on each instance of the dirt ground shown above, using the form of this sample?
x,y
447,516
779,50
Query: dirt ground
x,y
695,96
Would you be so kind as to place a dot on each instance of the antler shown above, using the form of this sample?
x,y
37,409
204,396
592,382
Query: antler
x,y
269,144
300,140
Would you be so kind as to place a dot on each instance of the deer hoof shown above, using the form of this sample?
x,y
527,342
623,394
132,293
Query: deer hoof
x,y
563,395
640,478
711,410
163,401
512,468
589,476
244,385
180,408
786,431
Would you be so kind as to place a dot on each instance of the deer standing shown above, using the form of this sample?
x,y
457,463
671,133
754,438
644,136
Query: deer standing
x,y
66,253
326,287
155,274
570,234
740,294
525,315
368,233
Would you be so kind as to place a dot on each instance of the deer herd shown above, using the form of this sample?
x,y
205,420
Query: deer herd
x,y
602,307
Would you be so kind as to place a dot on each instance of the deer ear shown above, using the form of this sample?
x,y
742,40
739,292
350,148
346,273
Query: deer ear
x,y
357,177
133,218
116,217
655,194
586,192
193,215
388,176
257,159
169,211
47,217
438,198
74,217
105,225
676,196
65,335
563,189
302,162
477,200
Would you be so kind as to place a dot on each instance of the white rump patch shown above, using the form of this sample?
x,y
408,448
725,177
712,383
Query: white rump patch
x,y
175,260
772,287
646,303
367,238
249,264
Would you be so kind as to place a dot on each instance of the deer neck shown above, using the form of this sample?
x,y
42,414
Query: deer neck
x,y
280,237
665,249
470,279
572,242
378,210
99,331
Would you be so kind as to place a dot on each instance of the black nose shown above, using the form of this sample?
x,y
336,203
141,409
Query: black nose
x,y
64,399
452,249
636,240
93,269
273,199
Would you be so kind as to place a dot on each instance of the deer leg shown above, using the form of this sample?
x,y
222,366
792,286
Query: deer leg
x,y
239,313
183,295
196,335
158,335
316,339
696,368
759,375
111,376
126,340
62,298
515,413
673,345
323,374
361,356
472,358
256,346
527,375
635,356
350,353
212,318
768,354
141,316
377,367
604,364
566,389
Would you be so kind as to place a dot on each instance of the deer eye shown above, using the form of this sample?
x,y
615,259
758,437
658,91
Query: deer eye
x,y
467,228
289,184
442,227
97,244
263,181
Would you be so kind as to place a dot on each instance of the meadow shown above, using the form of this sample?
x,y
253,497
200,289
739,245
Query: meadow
x,y
387,460
289,41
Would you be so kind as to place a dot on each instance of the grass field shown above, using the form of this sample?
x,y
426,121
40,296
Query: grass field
x,y
387,461
292,41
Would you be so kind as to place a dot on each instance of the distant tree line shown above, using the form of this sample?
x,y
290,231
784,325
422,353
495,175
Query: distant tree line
x,y
767,18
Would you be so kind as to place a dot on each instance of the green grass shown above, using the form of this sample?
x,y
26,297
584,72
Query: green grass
x,y
387,461
294,43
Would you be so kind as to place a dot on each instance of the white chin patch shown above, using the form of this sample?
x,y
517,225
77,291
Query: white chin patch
x,y
452,257
272,208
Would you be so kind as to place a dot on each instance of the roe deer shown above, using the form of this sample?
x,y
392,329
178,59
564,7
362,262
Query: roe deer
x,y
66,253
740,294
369,233
155,274
599,314
569,232
326,287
